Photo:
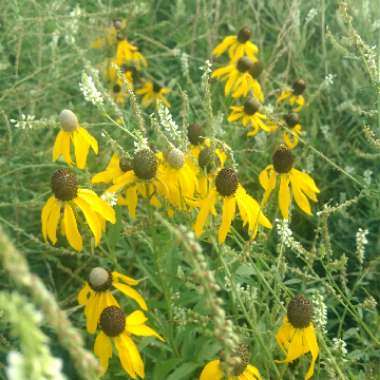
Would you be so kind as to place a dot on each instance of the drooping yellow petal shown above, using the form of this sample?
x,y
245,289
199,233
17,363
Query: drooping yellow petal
x,y
136,318
57,148
224,45
284,196
81,148
84,294
125,357
71,229
89,138
143,330
254,372
206,205
312,343
229,205
52,221
131,293
45,213
103,350
91,218
299,197
97,204
119,277
66,139
212,371
132,200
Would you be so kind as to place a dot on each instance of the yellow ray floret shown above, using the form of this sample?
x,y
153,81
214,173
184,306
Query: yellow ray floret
x,y
153,94
129,53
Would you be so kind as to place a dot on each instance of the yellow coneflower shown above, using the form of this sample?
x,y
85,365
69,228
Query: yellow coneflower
x,y
302,185
129,53
72,132
196,136
180,178
294,95
153,94
291,138
115,168
118,328
238,45
239,79
251,117
110,34
243,371
228,189
145,177
67,198
96,294
297,336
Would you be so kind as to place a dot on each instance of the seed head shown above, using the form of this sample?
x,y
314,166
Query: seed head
x,y
112,321
144,164
208,159
100,279
256,69
195,134
125,164
282,159
251,106
226,182
175,158
117,24
156,87
244,355
244,64
292,119
299,87
300,312
244,34
64,185
116,88
69,121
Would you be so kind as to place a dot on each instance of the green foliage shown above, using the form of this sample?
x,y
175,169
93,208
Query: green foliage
x,y
45,48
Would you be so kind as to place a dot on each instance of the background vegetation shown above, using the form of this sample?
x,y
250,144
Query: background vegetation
x,y
332,256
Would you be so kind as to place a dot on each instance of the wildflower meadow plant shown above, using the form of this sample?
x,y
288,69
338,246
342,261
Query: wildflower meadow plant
x,y
190,191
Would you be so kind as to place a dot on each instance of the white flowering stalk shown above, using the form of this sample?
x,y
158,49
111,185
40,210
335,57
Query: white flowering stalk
x,y
320,311
184,59
339,346
170,127
30,122
35,361
110,198
361,242
72,26
310,15
207,69
89,90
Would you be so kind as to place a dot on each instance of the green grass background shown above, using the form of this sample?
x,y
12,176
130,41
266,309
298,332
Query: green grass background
x,y
41,78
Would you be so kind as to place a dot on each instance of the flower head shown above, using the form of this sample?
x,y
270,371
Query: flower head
x,y
251,117
302,185
296,336
68,198
153,93
96,294
238,45
294,96
239,79
242,371
291,138
228,189
128,53
72,132
118,328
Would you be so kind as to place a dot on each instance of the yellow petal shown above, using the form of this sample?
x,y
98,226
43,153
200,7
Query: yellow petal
x,y
52,221
224,45
97,204
103,350
89,138
254,372
229,205
84,294
132,200
136,318
57,148
131,293
206,206
81,148
311,340
45,213
299,196
66,147
71,229
284,196
212,371
119,277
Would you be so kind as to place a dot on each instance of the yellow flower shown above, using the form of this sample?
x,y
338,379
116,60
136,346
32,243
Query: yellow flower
x,y
231,192
251,117
118,328
302,185
180,178
294,96
239,79
291,138
238,45
115,168
129,53
145,177
71,131
153,93
67,198
126,76
110,34
297,336
243,371
96,294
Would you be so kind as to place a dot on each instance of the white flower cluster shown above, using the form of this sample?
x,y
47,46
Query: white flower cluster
x,y
184,59
310,15
170,126
361,242
329,80
110,198
72,26
340,346
320,311
25,122
89,90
